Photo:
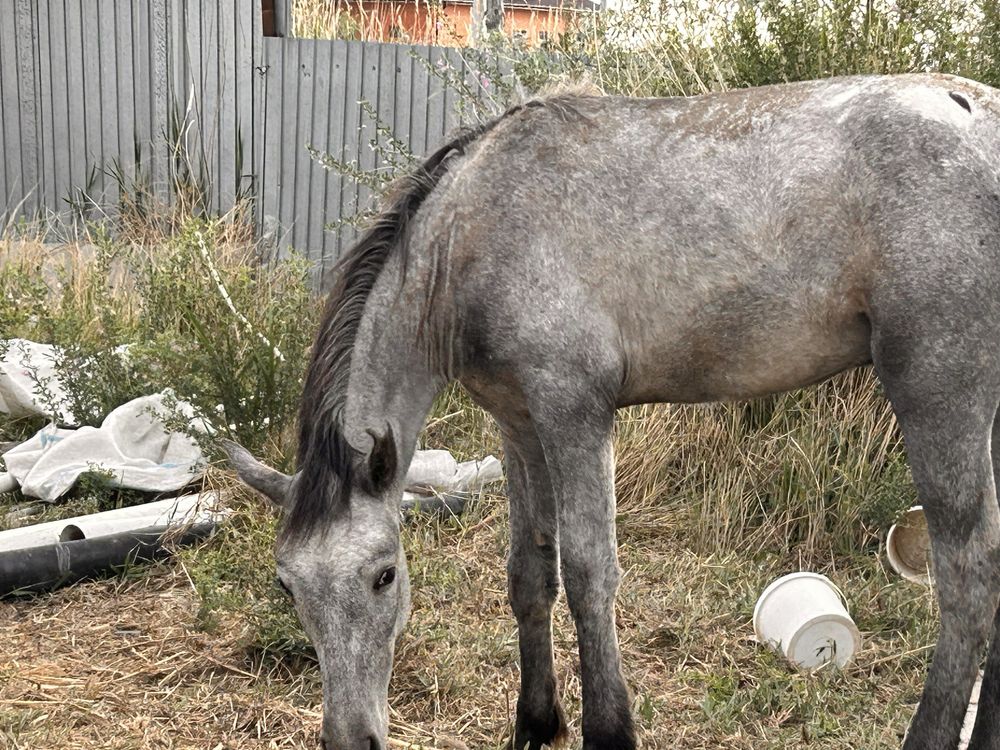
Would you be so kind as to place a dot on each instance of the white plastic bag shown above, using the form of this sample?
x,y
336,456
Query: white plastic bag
x,y
438,471
28,382
132,445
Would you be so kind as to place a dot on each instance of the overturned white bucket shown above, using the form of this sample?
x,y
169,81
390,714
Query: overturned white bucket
x,y
803,616
908,547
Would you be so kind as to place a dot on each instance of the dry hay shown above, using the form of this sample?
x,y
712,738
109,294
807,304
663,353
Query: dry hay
x,y
125,663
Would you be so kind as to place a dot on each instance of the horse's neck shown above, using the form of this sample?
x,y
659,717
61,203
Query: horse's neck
x,y
392,379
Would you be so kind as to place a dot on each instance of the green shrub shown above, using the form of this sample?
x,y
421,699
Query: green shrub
x,y
196,313
675,47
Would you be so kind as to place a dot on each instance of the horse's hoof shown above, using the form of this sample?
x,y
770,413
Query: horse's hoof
x,y
622,738
533,733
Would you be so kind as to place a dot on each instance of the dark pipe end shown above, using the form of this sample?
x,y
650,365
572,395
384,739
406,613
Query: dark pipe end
x,y
37,569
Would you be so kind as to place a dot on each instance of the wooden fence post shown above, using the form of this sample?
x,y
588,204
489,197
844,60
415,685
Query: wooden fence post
x,y
276,17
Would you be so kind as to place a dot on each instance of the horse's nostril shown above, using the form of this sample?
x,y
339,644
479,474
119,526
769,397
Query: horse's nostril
x,y
373,744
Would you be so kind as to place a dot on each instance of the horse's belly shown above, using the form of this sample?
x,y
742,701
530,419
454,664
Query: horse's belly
x,y
736,359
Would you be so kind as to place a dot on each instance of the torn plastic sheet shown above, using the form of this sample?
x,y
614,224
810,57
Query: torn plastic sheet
x,y
133,447
29,385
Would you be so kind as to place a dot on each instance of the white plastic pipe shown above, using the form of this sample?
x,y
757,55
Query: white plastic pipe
x,y
176,511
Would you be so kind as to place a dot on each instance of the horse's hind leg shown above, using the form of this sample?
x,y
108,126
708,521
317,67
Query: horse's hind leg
x,y
533,584
986,735
946,400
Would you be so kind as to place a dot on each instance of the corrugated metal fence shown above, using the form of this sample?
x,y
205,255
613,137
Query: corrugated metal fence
x,y
348,100
98,98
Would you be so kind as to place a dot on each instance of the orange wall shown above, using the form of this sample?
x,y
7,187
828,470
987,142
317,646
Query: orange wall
x,y
446,24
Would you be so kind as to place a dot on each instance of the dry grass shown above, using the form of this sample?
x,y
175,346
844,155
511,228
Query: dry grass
x,y
819,469
121,664
358,19
134,663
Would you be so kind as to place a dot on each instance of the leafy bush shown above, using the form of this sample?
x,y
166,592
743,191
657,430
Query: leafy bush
x,y
196,312
676,47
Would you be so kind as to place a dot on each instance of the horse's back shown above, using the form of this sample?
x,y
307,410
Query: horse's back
x,y
723,246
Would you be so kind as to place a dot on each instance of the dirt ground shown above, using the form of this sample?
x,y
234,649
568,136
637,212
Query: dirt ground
x,y
122,665
126,663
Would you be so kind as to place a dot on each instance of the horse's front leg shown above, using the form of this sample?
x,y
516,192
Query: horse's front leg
x,y
533,584
578,449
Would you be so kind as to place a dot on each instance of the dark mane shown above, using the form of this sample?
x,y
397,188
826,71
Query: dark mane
x,y
324,483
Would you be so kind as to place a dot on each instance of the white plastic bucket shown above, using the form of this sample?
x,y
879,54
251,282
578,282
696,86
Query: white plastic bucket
x,y
908,547
803,616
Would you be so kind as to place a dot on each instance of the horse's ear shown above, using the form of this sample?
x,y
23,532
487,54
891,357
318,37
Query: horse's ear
x,y
383,460
274,485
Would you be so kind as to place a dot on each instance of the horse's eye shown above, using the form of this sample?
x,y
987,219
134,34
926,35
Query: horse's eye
x,y
387,577
283,587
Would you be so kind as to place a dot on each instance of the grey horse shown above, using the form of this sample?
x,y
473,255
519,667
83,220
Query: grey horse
x,y
582,253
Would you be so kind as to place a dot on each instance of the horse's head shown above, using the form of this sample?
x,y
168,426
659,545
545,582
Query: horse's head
x,y
351,590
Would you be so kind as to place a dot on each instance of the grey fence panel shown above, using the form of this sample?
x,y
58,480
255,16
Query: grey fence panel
x,y
12,119
403,93
51,150
108,92
317,60
140,76
187,101
128,159
89,71
210,96
268,186
155,68
181,145
101,93
286,138
350,192
437,105
109,98
364,153
450,99
54,126
334,145
301,132
356,102
245,36
80,76
253,170
28,102
419,99
11,167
